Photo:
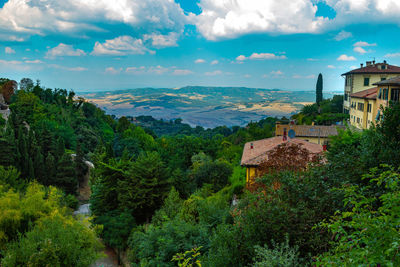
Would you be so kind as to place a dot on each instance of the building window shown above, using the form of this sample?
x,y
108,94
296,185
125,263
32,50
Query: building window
x,y
360,106
369,108
395,96
358,120
366,81
346,96
383,78
383,67
385,93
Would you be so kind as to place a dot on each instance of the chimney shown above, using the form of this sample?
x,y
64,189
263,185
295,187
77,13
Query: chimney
x,y
373,62
284,138
362,65
384,62
368,63
251,146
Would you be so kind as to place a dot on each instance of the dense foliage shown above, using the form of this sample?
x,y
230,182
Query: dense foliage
x,y
175,192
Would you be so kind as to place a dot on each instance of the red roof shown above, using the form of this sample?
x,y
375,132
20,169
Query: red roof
x,y
392,81
368,94
375,68
256,155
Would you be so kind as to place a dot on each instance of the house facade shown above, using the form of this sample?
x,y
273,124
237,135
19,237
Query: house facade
x,y
317,134
364,78
365,107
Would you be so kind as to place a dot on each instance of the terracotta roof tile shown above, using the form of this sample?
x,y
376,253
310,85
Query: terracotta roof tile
x,y
309,130
373,68
392,81
256,155
368,94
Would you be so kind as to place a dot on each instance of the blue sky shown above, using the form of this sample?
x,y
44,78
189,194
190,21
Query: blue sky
x,y
89,45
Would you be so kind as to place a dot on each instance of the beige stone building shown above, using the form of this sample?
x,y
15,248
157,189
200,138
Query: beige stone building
x,y
364,78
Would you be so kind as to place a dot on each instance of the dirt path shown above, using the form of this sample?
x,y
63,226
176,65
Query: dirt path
x,y
109,261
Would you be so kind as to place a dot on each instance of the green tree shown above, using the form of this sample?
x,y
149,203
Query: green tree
x,y
145,187
66,175
318,90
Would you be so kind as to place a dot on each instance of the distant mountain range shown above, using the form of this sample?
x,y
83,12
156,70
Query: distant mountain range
x,y
204,106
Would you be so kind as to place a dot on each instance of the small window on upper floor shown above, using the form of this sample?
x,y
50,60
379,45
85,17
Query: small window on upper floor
x,y
383,67
383,78
366,81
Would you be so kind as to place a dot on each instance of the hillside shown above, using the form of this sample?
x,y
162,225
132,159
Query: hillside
x,y
203,106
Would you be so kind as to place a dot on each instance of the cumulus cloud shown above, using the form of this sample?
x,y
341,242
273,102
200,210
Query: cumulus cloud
x,y
199,60
82,18
363,44
160,40
214,62
112,70
122,45
64,50
36,61
227,19
261,56
360,50
312,59
331,67
9,50
346,58
67,68
343,35
181,72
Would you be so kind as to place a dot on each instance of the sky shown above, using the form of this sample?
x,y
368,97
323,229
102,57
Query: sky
x,y
97,45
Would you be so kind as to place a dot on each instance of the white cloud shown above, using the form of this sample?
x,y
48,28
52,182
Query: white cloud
x,y
112,70
360,50
36,61
261,56
276,72
214,62
247,76
122,45
393,55
331,67
213,73
363,44
228,19
200,60
80,18
9,50
159,40
312,59
266,56
64,50
67,68
343,35
241,58
346,58
181,72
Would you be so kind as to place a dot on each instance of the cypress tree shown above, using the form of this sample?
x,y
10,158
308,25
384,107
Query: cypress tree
x,y
319,89
80,165
66,176
50,176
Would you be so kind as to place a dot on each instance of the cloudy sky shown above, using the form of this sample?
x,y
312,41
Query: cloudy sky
x,y
89,45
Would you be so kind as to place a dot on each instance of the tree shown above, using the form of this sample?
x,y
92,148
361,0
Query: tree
x,y
26,84
66,175
319,96
145,187
8,90
80,166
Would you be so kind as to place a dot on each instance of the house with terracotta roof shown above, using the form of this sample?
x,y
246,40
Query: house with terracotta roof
x,y
255,153
317,134
365,108
363,78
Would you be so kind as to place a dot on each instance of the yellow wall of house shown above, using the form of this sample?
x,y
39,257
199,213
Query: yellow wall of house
x,y
250,174
358,80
